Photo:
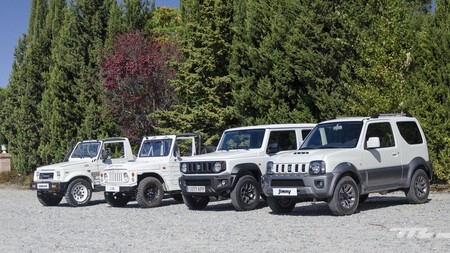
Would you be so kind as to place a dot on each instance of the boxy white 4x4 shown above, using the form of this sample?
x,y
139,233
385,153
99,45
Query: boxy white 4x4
x,y
79,174
235,168
154,173
343,160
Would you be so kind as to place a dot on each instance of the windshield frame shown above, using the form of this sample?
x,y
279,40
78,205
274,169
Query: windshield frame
x,y
234,139
166,141
349,139
79,148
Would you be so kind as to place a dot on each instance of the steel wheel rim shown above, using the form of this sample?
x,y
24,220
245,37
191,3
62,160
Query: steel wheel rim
x,y
347,196
420,186
151,193
248,193
80,192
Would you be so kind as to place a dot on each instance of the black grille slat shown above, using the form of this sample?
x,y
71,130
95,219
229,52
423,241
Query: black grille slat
x,y
48,175
293,183
200,167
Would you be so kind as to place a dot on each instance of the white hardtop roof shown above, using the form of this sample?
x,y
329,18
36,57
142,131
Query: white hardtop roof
x,y
374,117
274,126
106,139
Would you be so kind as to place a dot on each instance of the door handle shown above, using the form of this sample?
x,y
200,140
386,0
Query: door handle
x,y
395,154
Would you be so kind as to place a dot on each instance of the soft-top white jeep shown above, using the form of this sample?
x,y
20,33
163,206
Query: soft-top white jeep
x,y
343,160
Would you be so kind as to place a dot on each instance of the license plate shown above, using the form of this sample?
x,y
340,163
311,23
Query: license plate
x,y
42,186
195,189
284,191
110,188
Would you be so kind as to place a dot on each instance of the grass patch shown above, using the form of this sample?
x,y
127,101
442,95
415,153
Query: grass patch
x,y
12,178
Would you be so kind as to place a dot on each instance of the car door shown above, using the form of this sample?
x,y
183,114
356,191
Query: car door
x,y
382,165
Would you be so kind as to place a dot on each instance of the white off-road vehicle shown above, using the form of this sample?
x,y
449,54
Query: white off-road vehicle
x,y
79,174
343,160
235,168
154,173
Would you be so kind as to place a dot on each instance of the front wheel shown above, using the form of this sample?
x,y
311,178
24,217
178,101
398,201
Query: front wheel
x,y
150,192
245,195
195,202
345,198
48,199
419,189
117,199
79,193
281,204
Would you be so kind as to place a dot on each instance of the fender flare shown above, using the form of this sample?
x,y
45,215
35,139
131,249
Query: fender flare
x,y
349,169
415,164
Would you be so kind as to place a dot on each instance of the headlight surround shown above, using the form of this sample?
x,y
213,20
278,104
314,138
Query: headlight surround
x,y
105,177
269,167
317,167
217,167
183,167
126,178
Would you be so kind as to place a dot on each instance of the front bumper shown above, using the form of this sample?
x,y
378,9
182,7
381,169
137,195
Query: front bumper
x,y
48,186
119,188
301,186
206,185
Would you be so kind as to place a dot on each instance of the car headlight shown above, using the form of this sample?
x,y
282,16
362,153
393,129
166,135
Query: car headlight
x,y
217,167
269,168
58,175
125,177
36,176
183,168
105,177
317,167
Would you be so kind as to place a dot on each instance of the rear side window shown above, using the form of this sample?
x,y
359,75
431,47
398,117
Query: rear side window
x,y
409,130
305,133
283,140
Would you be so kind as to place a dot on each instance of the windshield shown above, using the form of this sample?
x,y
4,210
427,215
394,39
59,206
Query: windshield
x,y
242,139
334,135
86,149
155,148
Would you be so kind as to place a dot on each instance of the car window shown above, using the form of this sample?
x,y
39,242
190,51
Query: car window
x,y
383,131
410,132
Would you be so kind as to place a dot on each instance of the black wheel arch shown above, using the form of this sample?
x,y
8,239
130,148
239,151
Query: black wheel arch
x,y
416,164
87,179
347,169
246,169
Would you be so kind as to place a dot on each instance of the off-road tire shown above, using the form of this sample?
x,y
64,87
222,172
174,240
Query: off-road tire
x,y
345,198
245,195
195,202
177,197
48,199
117,199
281,204
79,193
150,192
419,189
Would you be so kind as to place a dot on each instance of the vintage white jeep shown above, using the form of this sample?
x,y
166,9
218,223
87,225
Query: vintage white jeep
x,y
78,175
154,173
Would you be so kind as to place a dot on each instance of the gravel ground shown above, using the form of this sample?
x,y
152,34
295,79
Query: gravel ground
x,y
382,224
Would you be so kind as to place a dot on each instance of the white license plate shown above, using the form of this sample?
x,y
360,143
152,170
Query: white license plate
x,y
195,189
112,188
43,186
284,192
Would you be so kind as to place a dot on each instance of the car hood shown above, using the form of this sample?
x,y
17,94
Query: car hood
x,y
307,155
223,155
66,165
138,164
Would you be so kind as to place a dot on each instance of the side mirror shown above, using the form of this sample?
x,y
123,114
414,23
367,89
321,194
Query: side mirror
x,y
272,148
373,142
106,153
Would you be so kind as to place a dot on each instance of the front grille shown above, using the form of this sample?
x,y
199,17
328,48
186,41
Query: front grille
x,y
290,168
46,175
287,182
115,176
200,167
198,182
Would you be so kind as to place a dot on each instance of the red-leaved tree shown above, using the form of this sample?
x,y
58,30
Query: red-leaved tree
x,y
136,75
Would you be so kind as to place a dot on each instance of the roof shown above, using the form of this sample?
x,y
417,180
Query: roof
x,y
274,126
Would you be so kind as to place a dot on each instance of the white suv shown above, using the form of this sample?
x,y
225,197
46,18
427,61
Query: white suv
x,y
343,160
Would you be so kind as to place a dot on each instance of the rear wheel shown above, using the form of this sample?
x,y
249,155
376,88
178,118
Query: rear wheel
x,y
117,199
48,199
150,192
79,193
345,198
419,189
195,202
281,204
245,195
